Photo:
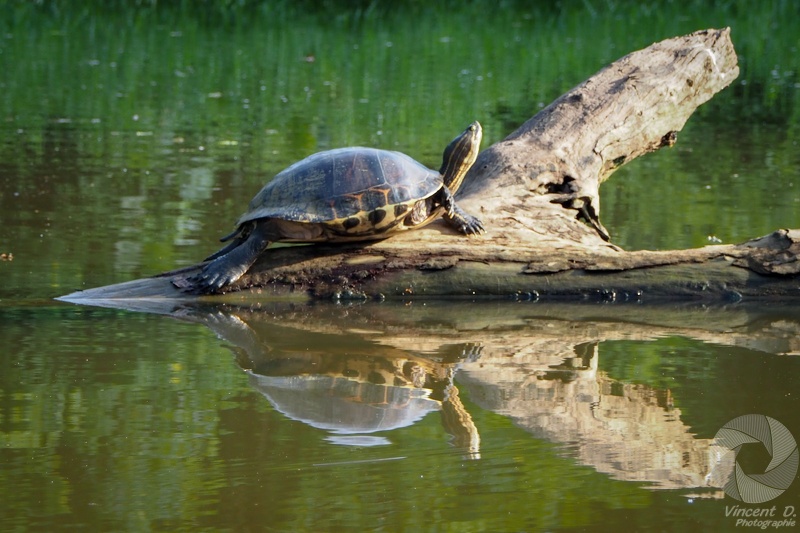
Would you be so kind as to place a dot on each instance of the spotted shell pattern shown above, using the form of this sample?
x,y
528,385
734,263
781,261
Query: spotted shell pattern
x,y
352,191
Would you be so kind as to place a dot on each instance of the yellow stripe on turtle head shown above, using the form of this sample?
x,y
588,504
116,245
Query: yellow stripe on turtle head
x,y
459,156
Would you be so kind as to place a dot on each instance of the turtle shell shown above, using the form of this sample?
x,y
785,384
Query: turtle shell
x,y
351,190
345,406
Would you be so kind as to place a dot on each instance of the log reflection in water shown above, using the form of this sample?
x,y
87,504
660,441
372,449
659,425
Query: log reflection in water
x,y
388,365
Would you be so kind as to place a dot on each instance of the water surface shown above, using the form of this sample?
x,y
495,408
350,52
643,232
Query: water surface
x,y
132,138
237,418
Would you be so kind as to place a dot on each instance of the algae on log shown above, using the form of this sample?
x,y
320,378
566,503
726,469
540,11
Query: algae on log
x,y
537,193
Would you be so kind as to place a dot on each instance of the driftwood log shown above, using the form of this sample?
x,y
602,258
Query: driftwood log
x,y
537,193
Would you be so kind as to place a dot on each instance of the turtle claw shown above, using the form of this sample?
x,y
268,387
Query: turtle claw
x,y
466,223
214,276
203,284
472,226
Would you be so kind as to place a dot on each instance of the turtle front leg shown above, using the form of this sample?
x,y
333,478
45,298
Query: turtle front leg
x,y
229,267
459,219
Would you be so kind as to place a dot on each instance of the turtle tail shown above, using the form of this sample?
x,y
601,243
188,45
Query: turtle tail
x,y
231,235
240,238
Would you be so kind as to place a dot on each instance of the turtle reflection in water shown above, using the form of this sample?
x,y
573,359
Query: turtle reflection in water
x,y
343,195
353,397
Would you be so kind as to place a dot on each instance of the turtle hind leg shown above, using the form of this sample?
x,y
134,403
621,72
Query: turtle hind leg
x,y
228,267
459,219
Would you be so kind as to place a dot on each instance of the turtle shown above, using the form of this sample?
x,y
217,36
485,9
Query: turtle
x,y
342,195
357,395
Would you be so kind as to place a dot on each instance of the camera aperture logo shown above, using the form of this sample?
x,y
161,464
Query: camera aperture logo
x,y
779,473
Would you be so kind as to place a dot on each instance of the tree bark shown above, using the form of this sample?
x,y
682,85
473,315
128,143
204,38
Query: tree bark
x,y
537,192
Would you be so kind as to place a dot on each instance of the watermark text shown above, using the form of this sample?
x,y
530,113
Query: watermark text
x,y
762,517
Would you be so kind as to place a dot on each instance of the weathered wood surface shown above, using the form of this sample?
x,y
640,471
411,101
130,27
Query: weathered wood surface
x,y
537,192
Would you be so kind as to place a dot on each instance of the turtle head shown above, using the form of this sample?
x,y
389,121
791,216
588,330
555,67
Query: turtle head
x,y
459,156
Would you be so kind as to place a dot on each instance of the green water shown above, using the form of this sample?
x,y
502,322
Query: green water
x,y
133,136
